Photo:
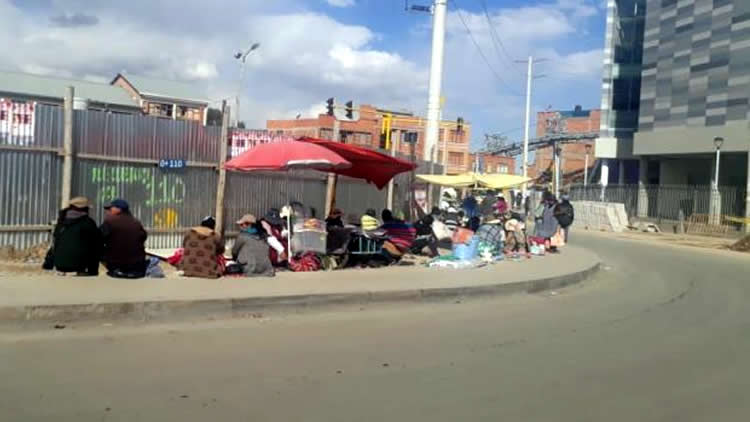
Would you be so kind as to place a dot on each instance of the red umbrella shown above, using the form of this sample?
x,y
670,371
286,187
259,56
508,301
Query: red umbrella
x,y
288,155
285,156
367,164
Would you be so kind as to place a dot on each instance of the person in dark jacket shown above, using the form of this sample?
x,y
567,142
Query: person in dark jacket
x,y
425,236
546,223
77,242
527,206
335,219
124,242
565,215
250,249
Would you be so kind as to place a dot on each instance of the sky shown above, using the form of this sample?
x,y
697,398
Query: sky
x,y
370,51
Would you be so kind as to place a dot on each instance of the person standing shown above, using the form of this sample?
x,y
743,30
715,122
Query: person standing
x,y
77,242
547,224
565,215
124,242
527,206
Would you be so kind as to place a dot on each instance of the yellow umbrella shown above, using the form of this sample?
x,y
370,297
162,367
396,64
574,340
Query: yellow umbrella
x,y
501,181
491,181
455,181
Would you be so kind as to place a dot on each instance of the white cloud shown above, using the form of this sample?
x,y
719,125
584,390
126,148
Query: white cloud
x,y
297,65
305,56
340,3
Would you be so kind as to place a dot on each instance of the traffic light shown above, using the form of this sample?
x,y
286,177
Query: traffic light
x,y
330,106
460,124
350,110
385,130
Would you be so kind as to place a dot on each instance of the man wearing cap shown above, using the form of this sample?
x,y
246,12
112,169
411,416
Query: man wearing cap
x,y
124,242
77,244
250,249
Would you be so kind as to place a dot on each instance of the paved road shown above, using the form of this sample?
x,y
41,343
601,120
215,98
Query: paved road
x,y
662,334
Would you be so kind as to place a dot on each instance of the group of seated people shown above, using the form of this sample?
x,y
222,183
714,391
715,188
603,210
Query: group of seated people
x,y
79,245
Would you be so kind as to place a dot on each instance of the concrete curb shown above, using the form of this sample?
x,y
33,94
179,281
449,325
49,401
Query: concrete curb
x,y
232,307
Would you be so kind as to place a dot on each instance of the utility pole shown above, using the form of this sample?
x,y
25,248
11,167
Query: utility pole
x,y
332,179
394,148
221,186
527,124
67,178
436,78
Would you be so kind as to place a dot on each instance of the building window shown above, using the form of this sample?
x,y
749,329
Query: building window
x,y
188,113
326,134
503,169
160,110
455,159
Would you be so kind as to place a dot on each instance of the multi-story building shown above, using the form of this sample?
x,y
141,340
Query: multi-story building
x,y
162,98
572,154
367,131
491,163
676,76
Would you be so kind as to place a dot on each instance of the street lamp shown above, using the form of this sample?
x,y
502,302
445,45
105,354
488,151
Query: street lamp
x,y
242,57
586,166
718,142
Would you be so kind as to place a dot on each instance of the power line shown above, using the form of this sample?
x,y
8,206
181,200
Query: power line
x,y
481,53
496,40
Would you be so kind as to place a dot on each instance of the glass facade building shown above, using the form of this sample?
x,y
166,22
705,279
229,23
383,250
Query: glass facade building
x,y
623,58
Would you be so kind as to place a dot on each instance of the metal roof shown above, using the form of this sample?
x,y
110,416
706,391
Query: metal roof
x,y
166,89
51,87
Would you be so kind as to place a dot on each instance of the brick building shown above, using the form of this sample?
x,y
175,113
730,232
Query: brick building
x,y
572,155
163,98
490,163
367,132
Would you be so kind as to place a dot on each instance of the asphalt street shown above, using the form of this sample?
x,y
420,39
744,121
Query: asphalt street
x,y
662,333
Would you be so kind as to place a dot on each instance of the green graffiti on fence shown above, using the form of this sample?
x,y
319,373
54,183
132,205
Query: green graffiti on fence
x,y
152,187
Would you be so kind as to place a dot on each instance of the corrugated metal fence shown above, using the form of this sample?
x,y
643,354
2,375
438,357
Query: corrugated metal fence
x,y
117,155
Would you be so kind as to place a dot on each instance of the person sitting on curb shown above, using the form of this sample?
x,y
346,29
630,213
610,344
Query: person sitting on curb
x,y
425,236
124,242
250,249
77,242
401,235
274,226
334,219
369,221
203,251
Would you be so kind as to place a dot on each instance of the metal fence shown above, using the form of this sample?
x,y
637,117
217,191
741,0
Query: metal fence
x,y
664,202
117,156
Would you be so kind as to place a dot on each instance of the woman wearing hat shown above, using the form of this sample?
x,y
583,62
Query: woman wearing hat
x,y
250,249
77,245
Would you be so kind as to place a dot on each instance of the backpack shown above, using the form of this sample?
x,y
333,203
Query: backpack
x,y
564,214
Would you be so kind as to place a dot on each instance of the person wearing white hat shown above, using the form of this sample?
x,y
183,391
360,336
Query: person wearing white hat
x,y
77,241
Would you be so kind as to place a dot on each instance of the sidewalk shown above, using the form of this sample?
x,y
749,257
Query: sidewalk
x,y
25,297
